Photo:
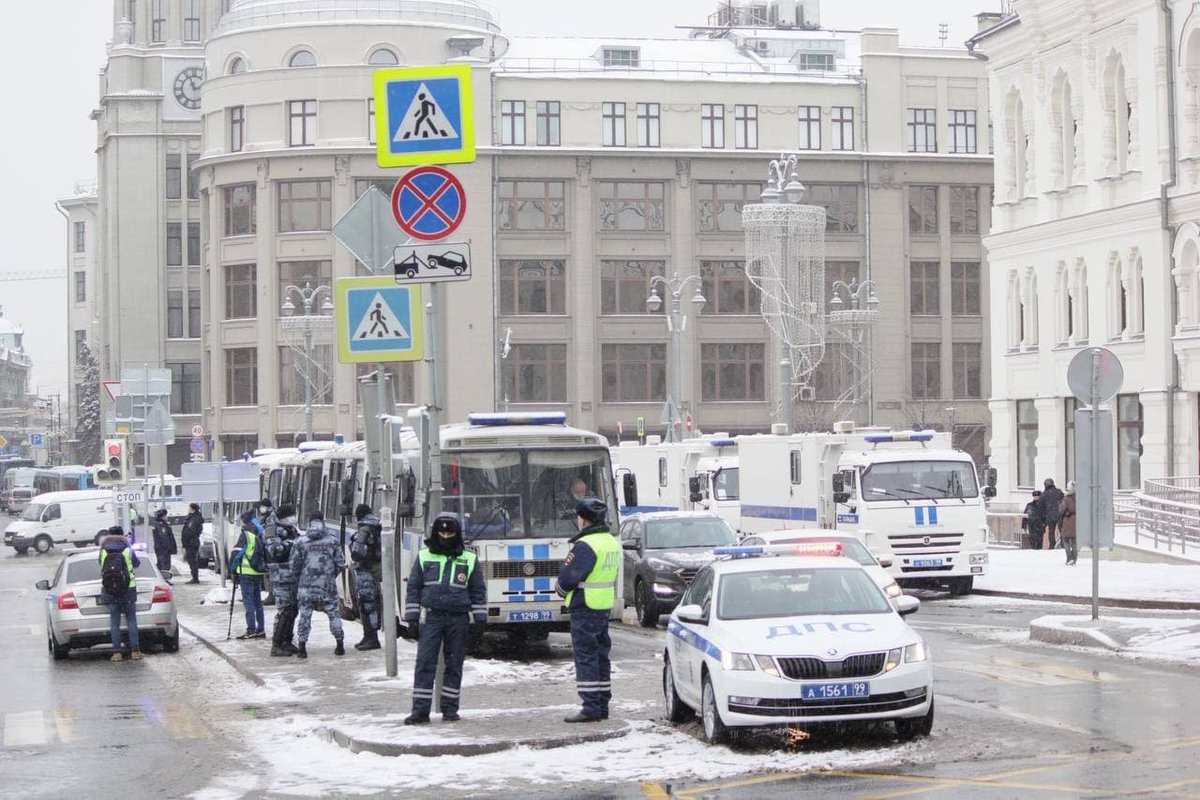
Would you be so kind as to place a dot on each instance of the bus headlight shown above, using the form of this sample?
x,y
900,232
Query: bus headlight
x,y
736,661
915,652
979,558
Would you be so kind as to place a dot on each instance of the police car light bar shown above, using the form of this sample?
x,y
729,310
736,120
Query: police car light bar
x,y
899,436
519,418
796,549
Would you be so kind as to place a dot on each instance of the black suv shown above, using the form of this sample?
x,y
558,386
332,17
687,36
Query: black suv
x,y
663,551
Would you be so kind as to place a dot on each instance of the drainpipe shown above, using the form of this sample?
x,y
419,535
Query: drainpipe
x,y
1164,207
866,179
70,340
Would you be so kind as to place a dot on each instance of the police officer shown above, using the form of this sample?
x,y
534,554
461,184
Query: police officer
x,y
279,541
588,581
366,552
446,583
193,526
164,540
263,521
317,558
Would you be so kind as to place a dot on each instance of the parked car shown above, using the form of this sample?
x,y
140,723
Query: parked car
x,y
55,518
76,619
663,550
851,547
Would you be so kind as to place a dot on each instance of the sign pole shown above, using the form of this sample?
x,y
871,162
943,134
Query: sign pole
x,y
388,548
433,335
218,524
1094,479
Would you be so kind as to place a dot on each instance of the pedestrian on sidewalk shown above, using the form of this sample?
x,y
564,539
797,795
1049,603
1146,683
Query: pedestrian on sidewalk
x,y
317,558
118,590
280,540
164,541
1067,513
445,582
588,581
249,565
1051,497
1033,521
367,554
193,526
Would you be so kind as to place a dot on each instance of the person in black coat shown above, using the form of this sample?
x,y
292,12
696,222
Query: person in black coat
x,y
164,541
1052,498
1033,521
193,526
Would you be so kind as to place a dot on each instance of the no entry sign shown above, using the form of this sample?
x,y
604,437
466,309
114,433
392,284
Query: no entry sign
x,y
429,203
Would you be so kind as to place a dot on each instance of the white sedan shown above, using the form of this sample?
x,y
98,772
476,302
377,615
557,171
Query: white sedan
x,y
850,546
767,640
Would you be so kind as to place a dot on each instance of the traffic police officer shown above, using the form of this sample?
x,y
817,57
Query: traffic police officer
x,y
446,583
588,581
366,552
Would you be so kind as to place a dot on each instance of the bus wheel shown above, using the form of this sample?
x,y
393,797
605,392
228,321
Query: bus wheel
x,y
43,543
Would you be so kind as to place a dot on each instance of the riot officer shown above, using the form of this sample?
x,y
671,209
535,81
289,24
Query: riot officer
x,y
588,581
279,540
315,561
444,581
365,552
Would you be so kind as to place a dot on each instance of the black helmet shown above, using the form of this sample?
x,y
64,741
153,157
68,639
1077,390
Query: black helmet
x,y
194,506
162,512
361,510
592,510
446,522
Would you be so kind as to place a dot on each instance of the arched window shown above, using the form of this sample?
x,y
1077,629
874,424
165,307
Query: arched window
x,y
302,58
1079,302
1065,133
237,66
1019,147
382,57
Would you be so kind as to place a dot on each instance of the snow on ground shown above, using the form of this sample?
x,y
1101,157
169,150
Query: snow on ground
x,y
1044,572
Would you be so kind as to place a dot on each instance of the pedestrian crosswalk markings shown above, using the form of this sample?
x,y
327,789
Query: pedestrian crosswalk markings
x,y
424,119
380,322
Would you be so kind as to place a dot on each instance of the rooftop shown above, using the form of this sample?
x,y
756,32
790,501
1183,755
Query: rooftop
x,y
248,14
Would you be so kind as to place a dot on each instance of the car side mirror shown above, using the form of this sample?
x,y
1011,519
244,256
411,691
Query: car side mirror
x,y
906,604
631,544
840,495
885,561
692,613
629,489
989,477
695,494
43,585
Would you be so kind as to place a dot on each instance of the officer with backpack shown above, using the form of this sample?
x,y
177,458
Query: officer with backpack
x,y
279,540
249,565
317,557
118,590
164,540
366,552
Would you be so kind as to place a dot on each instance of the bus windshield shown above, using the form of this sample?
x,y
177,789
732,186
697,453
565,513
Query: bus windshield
x,y
516,494
919,480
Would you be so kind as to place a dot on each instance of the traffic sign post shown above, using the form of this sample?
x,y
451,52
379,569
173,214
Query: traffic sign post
x,y
424,115
433,263
429,203
37,440
369,230
377,320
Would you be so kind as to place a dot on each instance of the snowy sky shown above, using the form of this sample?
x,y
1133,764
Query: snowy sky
x,y
50,86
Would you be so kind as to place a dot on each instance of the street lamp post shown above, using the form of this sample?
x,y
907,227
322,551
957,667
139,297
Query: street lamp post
x,y
855,321
676,321
311,318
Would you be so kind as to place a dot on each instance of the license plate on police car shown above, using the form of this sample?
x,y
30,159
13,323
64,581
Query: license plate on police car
x,y
529,616
834,691
928,562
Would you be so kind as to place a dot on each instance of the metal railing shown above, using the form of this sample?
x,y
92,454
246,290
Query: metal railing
x,y
1165,514
465,13
674,67
1004,529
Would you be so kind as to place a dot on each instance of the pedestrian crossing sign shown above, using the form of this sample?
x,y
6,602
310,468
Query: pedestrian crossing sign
x,y
424,115
377,320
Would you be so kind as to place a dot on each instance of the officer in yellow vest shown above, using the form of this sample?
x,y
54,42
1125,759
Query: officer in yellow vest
x,y
588,581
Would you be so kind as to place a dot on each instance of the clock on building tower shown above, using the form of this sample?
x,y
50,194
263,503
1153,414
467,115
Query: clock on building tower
x,y
186,87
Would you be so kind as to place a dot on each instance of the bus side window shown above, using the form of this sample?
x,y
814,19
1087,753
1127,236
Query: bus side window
x,y
794,465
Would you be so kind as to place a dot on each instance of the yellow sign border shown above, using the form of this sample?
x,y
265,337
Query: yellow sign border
x,y
341,308
383,135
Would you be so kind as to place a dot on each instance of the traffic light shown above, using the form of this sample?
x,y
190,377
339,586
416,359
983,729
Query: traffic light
x,y
111,471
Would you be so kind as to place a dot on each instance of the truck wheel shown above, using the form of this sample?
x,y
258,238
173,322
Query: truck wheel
x,y
961,586
677,710
647,607
715,731
43,543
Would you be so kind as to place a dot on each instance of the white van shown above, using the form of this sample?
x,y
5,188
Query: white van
x,y
56,518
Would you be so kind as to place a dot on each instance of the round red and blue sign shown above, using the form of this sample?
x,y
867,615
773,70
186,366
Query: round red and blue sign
x,y
429,203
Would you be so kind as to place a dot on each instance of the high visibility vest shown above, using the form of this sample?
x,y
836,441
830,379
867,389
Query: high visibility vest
x,y
128,554
248,554
427,556
600,585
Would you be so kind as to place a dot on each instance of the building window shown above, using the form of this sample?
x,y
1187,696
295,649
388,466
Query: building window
x,y
962,131
191,20
719,205
237,128
633,372
649,125
1129,441
512,122
305,206
193,177
533,287
922,130
299,273
631,206
842,125
923,210
1027,435
535,373
385,185
968,370
732,372
174,244
621,57
712,125
241,376
302,58
174,176
810,127
80,341
80,237
241,218
964,210
924,282
614,124
174,314
193,244
840,201
549,123
965,289
745,127
1070,406
926,370
382,57
158,21
531,206
814,61
241,291
237,66
193,316
185,387
80,287
625,285
234,446
728,289
302,122
296,372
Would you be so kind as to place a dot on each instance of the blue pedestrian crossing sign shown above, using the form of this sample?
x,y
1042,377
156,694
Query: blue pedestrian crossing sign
x,y
424,115
377,320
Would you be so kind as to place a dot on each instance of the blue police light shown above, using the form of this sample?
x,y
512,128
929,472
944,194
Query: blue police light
x,y
723,442
520,418
899,436
740,550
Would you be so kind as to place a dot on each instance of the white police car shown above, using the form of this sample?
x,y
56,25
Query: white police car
x,y
763,638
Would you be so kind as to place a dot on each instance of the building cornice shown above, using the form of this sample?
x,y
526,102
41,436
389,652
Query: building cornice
x,y
1095,225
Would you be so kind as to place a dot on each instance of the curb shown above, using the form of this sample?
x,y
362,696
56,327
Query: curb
x,y
1152,605
1078,637
356,744
245,672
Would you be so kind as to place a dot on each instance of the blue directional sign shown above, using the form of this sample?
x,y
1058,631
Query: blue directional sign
x,y
37,439
377,320
424,115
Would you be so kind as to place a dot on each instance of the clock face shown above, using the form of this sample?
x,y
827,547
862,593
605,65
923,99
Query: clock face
x,y
187,87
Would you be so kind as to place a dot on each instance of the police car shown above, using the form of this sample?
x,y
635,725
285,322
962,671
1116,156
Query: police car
x,y
794,635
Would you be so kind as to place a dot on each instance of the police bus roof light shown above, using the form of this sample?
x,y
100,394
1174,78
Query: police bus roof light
x,y
723,442
899,436
493,420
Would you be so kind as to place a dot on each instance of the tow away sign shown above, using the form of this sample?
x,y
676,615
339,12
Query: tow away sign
x,y
433,263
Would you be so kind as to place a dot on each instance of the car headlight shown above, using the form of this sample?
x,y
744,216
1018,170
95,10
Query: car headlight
x,y
915,652
979,558
893,660
892,590
767,665
736,661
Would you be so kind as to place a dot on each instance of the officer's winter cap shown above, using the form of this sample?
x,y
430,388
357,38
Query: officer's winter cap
x,y
361,510
446,522
592,510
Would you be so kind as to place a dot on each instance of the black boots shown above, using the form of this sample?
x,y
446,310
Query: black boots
x,y
370,640
416,719
278,651
339,650
302,651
